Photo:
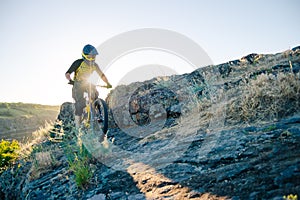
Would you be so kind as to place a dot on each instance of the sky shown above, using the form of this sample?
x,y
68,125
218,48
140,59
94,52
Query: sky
x,y
41,39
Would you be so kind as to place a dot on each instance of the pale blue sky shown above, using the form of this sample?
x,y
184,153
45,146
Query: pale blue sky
x,y
41,38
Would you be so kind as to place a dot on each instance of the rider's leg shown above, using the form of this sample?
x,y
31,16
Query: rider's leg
x,y
79,106
95,93
77,121
78,91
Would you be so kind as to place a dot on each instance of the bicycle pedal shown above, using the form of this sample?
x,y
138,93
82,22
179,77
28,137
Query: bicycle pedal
x,y
99,120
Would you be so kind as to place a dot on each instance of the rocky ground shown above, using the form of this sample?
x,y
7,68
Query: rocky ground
x,y
193,136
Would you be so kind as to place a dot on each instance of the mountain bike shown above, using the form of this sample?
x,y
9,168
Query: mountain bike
x,y
95,112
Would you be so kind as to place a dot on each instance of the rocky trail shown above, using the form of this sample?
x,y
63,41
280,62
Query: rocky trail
x,y
230,131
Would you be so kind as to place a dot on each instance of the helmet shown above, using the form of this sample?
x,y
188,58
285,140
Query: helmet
x,y
89,50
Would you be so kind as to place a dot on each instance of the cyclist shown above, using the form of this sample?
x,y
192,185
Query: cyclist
x,y
83,68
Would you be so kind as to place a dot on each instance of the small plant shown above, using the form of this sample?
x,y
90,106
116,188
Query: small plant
x,y
269,97
44,158
151,138
79,164
42,162
285,134
290,197
8,153
81,171
270,128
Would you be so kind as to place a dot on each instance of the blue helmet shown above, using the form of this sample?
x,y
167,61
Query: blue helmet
x,y
89,50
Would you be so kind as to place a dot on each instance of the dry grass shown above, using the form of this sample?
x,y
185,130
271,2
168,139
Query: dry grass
x,y
43,162
38,137
268,97
42,157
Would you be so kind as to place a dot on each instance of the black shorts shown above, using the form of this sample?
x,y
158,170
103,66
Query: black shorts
x,y
78,91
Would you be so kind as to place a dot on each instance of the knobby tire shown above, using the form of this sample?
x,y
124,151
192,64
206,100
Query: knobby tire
x,y
100,107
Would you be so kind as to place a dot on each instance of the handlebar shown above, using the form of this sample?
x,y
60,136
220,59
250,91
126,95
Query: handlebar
x,y
103,86
71,82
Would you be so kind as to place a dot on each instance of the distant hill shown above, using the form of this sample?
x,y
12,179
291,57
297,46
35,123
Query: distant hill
x,y
24,117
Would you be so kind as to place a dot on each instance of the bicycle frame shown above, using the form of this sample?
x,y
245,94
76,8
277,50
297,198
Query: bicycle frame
x,y
96,111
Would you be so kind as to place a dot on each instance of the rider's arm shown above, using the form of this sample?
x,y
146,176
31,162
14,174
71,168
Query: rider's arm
x,y
73,68
102,76
68,76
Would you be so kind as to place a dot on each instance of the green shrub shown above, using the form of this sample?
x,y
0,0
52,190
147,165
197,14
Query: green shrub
x,y
82,173
79,164
8,152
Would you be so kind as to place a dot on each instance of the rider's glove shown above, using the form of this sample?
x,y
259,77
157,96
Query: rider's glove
x,y
109,85
71,82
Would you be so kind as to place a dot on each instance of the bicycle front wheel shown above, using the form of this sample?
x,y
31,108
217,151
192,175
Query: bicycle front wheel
x,y
100,115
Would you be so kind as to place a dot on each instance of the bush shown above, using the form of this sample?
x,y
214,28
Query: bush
x,y
268,97
82,173
8,152
79,164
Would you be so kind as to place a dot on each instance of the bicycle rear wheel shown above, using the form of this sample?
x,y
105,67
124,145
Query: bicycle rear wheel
x,y
100,115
